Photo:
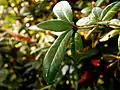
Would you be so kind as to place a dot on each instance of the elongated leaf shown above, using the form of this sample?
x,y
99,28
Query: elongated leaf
x,y
54,56
78,42
99,2
55,25
87,54
110,11
76,47
63,11
110,35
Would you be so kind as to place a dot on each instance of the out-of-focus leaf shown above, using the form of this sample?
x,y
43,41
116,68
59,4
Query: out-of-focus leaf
x,y
3,74
54,56
3,2
86,10
96,11
34,27
99,2
1,60
63,11
33,65
110,35
110,11
55,25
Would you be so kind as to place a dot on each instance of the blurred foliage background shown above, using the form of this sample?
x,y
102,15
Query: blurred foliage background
x,y
22,47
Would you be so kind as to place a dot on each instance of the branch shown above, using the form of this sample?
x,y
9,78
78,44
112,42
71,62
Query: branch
x,y
86,27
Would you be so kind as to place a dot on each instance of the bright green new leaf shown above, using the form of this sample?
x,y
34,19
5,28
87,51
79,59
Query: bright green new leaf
x,y
110,35
96,11
55,25
63,11
110,11
99,2
54,56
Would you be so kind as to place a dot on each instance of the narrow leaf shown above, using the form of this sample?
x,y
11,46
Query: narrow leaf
x,y
119,43
110,35
55,25
110,11
63,11
54,56
76,47
78,42
99,2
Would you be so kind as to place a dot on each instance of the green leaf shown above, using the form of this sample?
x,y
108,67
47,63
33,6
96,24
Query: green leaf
x,y
63,11
110,11
3,74
110,35
89,53
1,60
86,21
114,23
99,2
55,25
3,2
54,56
96,11
78,42
119,43
76,47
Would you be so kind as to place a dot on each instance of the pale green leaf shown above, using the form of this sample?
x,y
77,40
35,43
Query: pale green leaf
x,y
114,23
55,25
96,11
110,35
86,21
54,56
110,11
63,11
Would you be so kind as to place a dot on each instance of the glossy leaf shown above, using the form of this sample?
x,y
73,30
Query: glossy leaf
x,y
78,42
55,25
63,11
114,23
110,35
54,56
76,47
86,21
89,53
110,11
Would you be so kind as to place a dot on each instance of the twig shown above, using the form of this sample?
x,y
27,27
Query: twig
x,y
86,27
